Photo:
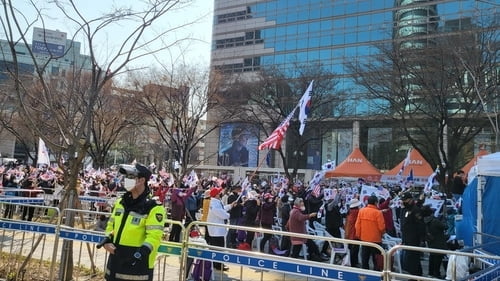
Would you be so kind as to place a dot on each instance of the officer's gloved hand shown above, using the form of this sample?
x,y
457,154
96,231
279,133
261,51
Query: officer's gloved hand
x,y
105,240
141,254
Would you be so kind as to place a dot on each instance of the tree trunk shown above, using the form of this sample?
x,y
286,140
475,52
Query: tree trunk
x,y
66,265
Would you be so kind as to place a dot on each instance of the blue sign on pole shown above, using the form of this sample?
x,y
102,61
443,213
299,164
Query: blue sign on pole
x,y
283,266
30,227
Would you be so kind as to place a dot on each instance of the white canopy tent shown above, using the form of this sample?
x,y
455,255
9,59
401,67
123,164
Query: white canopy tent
x,y
487,165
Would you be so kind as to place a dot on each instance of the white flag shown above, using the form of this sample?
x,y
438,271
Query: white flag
x,y
305,107
43,153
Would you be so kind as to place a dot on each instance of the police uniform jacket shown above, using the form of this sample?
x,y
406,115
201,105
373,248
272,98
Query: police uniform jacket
x,y
134,223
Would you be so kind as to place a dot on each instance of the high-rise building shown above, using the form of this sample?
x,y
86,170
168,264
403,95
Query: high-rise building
x,y
249,35
69,58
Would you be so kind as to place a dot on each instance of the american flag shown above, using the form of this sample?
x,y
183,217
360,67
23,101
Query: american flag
x,y
274,140
316,190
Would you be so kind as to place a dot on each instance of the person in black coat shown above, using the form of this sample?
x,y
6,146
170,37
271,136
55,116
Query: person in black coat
x,y
413,233
235,213
333,217
251,209
286,200
436,238
313,204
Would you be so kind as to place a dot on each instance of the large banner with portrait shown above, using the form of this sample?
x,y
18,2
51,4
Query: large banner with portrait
x,y
238,144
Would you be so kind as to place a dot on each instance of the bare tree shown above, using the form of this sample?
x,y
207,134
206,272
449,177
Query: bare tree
x,y
11,122
61,111
176,103
112,117
430,96
480,62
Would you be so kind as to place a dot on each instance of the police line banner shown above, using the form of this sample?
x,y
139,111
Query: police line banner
x,y
285,265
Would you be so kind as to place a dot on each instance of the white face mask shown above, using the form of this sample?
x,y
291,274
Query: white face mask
x,y
129,184
302,208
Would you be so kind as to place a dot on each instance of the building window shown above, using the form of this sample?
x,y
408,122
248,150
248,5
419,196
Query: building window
x,y
54,70
250,38
235,16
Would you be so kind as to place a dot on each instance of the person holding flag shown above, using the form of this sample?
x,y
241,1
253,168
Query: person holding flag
x,y
178,212
235,213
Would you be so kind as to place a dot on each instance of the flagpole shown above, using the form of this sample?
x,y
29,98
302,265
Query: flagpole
x,y
258,167
251,176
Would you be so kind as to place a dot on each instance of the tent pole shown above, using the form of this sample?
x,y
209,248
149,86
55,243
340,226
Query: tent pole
x,y
479,224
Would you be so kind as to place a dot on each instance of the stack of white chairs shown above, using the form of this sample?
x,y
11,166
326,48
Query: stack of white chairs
x,y
320,232
389,242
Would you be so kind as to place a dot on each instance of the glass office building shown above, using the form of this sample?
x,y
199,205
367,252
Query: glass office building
x,y
249,35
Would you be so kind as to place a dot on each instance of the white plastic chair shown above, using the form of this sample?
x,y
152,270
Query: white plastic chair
x,y
303,251
397,227
389,242
318,226
316,232
277,221
256,240
277,228
344,250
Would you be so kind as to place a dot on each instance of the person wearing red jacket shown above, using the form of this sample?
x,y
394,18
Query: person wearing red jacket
x,y
370,227
350,230
296,224
383,206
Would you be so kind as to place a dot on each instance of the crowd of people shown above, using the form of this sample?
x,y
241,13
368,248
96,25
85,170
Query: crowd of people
x,y
401,214
342,207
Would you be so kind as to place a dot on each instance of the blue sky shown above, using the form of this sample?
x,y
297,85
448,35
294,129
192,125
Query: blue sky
x,y
195,51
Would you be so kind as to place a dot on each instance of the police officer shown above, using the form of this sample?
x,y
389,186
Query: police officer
x,y
134,229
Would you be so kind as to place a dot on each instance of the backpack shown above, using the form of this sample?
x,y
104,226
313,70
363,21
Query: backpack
x,y
202,270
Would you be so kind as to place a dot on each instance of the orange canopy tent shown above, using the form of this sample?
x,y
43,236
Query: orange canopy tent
x,y
421,170
355,166
473,161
